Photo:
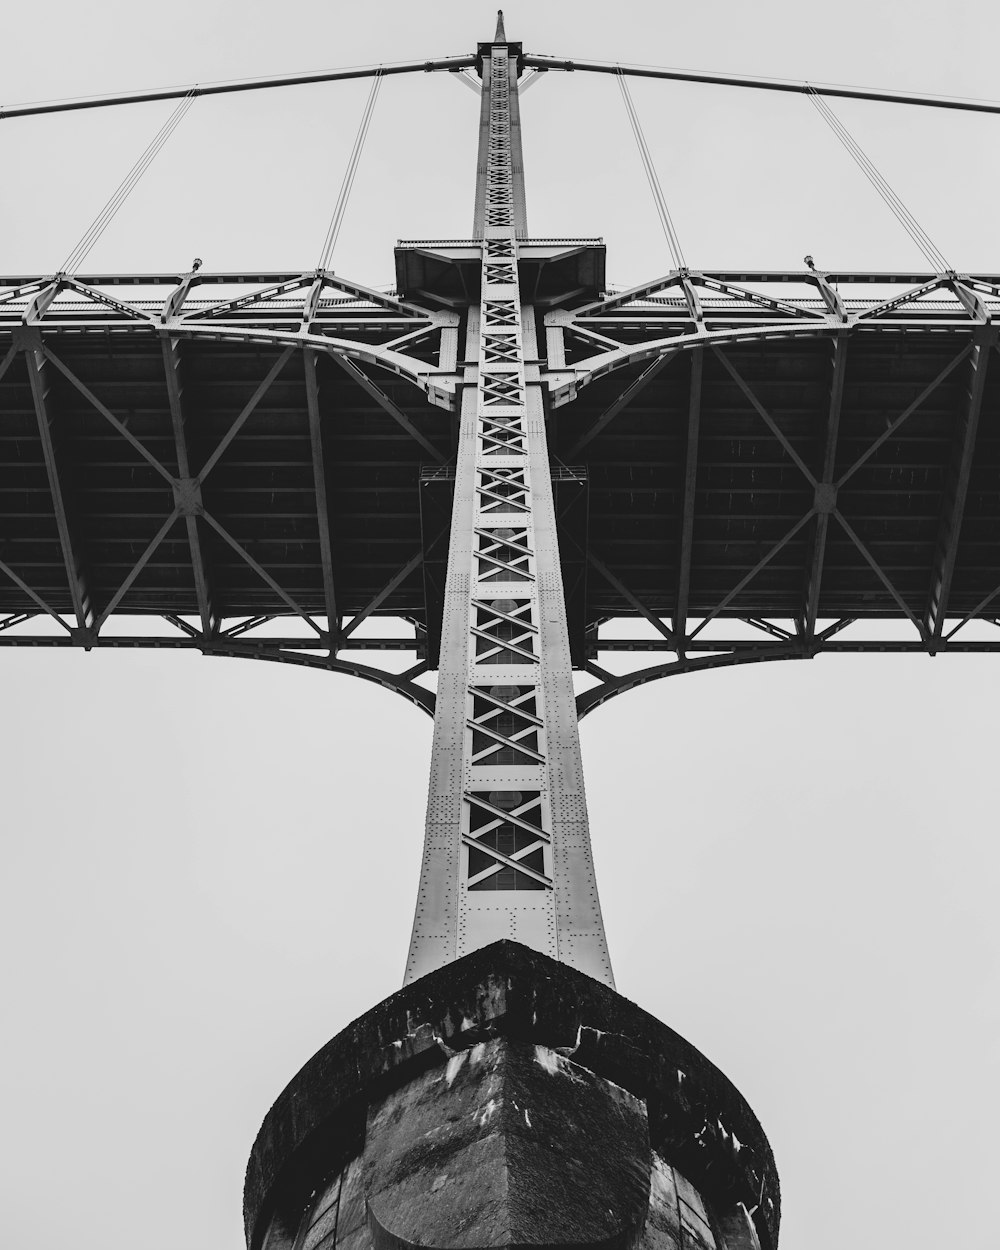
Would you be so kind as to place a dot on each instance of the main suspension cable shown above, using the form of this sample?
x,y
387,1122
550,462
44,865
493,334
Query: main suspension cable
x,y
125,188
236,84
967,103
333,231
932,253
666,221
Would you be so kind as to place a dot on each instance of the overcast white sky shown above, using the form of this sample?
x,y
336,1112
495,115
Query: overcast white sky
x,y
209,866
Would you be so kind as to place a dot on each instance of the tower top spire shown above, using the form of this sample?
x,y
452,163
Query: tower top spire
x,y
501,35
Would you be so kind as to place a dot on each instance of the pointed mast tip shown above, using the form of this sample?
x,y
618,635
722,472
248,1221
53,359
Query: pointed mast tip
x,y
501,35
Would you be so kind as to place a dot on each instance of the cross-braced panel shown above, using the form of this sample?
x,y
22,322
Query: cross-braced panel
x,y
503,555
506,841
505,725
502,490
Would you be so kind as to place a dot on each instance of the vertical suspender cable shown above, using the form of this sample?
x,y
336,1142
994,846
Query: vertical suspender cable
x,y
125,188
340,208
666,221
932,254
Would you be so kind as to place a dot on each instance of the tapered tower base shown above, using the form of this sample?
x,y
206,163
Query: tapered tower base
x,y
508,1100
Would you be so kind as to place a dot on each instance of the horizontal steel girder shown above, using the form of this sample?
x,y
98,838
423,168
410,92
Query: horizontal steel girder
x,y
742,447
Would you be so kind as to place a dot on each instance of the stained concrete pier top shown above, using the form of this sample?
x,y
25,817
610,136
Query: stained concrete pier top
x,y
508,1099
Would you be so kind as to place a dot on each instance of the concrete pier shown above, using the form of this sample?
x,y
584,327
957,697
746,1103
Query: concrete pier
x,y
508,1100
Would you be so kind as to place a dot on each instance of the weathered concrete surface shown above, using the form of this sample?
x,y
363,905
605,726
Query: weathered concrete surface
x,y
509,1100
510,1144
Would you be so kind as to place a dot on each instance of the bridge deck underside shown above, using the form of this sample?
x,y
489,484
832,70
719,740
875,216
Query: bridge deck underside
x,y
262,489
705,506
749,493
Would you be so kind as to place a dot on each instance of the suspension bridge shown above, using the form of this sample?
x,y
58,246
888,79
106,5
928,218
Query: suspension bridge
x,y
800,452
536,474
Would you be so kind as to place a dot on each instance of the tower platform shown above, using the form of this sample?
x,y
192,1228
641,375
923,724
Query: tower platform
x,y
509,1100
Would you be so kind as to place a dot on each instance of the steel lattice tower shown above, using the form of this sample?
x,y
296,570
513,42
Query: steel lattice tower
x,y
507,852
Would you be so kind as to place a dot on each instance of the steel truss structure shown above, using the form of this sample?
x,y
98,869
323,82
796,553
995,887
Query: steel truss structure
x,y
526,473
507,846
729,415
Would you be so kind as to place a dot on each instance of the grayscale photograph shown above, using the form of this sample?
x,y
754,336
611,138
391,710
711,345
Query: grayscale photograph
x,y
475,371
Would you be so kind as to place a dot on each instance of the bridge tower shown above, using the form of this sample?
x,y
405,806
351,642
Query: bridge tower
x,y
507,851
507,1096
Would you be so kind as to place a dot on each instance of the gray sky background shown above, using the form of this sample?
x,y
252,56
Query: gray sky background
x,y
209,866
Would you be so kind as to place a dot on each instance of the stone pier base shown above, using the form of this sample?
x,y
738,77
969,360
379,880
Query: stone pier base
x,y
507,1100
